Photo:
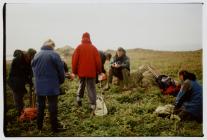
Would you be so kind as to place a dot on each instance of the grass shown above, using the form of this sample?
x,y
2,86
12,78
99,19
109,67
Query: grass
x,y
130,113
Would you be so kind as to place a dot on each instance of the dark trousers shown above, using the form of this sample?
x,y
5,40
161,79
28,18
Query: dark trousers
x,y
90,83
18,100
184,115
52,101
121,73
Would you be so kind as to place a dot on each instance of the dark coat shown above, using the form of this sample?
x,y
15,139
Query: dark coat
x,y
123,61
20,73
103,60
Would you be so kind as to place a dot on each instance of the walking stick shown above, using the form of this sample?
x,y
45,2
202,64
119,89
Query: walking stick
x,y
30,95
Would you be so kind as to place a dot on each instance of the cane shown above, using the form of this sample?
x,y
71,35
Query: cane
x,y
30,96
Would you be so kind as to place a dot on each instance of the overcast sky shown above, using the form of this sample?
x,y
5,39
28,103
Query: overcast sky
x,y
174,27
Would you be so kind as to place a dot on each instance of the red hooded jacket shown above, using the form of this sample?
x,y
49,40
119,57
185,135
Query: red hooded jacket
x,y
86,61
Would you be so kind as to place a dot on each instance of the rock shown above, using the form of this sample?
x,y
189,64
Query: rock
x,y
167,109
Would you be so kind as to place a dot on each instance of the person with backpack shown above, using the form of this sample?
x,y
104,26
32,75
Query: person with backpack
x,y
86,63
48,69
189,101
20,75
120,68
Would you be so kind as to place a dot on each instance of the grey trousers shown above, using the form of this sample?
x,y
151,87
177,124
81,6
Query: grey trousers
x,y
90,84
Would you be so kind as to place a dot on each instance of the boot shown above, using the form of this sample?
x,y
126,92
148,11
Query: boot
x,y
79,102
93,108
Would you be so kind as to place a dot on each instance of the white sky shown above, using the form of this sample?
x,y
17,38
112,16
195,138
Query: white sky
x,y
150,26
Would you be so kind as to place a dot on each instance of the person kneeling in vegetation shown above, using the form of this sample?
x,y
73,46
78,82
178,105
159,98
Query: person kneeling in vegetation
x,y
119,67
188,104
48,69
21,74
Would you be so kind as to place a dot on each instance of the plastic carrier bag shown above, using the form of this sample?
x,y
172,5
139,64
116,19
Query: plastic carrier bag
x,y
101,108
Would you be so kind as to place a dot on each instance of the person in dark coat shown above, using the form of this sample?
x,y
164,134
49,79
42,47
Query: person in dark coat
x,y
105,56
120,68
189,101
20,74
48,69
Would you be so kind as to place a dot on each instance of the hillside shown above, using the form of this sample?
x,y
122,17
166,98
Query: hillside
x,y
130,113
65,51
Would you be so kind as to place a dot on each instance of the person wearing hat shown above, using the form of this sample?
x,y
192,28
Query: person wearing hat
x,y
86,63
48,69
120,68
20,74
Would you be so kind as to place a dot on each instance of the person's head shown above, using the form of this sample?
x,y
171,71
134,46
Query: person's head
x,y
18,53
184,75
31,52
49,44
86,38
120,52
29,55
108,56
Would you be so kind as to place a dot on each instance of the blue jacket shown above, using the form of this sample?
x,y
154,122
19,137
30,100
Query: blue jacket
x,y
191,98
48,72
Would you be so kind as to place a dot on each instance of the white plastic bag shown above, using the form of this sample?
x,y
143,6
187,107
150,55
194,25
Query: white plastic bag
x,y
101,109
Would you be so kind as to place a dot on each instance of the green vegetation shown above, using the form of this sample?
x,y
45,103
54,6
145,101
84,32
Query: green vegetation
x,y
130,113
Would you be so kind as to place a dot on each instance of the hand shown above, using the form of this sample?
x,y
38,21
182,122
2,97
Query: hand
x,y
117,66
102,77
72,76
113,65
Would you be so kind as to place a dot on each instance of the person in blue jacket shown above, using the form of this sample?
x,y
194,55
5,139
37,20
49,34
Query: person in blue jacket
x,y
48,69
189,101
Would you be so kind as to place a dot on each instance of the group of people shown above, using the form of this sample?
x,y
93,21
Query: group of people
x,y
50,71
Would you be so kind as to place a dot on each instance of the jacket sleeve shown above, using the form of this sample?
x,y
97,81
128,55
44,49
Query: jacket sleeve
x,y
98,62
75,59
183,94
111,61
60,68
30,75
126,63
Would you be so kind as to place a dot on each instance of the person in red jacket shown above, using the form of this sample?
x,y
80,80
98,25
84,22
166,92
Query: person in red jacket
x,y
86,63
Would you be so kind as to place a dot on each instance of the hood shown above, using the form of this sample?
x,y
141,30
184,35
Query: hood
x,y
18,53
86,38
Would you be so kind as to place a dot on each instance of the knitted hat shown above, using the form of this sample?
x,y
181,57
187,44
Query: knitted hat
x,y
49,43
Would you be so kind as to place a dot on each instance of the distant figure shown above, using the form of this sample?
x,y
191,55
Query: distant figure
x,y
49,74
105,56
119,67
86,63
20,74
188,104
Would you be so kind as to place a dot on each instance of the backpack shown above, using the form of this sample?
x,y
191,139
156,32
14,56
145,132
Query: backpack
x,y
167,85
28,114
